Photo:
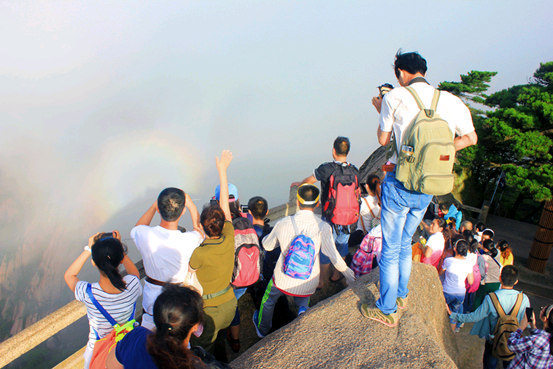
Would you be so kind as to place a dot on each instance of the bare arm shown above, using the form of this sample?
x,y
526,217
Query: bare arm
x,y
470,278
146,219
383,137
465,141
222,165
194,214
311,179
428,252
70,275
127,262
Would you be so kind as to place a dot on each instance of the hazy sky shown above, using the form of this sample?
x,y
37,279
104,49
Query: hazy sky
x,y
103,104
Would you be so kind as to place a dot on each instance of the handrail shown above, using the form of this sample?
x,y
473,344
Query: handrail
x,y
16,346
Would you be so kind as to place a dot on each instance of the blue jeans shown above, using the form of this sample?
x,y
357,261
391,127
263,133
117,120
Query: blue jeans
x,y
402,211
455,303
238,292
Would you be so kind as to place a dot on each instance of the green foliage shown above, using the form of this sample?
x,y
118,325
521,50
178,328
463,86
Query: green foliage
x,y
515,134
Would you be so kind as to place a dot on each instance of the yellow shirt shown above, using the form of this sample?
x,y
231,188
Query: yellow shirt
x,y
507,261
214,264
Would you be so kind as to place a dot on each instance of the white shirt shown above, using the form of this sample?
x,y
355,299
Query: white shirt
x,y
321,234
399,108
365,214
165,254
456,272
119,306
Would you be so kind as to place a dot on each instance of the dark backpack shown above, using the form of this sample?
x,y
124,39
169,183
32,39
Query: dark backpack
x,y
342,205
247,254
300,257
506,324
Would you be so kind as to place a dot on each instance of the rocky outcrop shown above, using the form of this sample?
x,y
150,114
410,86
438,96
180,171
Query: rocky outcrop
x,y
334,334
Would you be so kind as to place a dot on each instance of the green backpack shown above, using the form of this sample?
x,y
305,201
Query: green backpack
x,y
425,161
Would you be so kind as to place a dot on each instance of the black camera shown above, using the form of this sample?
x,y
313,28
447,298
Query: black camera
x,y
384,89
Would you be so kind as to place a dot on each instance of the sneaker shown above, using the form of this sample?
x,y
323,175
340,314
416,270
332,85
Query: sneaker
x,y
457,330
461,325
302,310
391,320
255,320
402,302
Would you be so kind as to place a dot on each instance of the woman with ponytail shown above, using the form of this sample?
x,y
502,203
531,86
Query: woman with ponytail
x,y
178,314
535,350
369,211
116,294
457,269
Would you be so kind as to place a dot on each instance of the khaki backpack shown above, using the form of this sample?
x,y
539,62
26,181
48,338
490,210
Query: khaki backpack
x,y
427,152
506,324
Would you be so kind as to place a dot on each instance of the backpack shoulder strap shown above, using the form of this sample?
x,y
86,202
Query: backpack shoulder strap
x,y
518,304
100,307
435,99
296,231
416,97
497,305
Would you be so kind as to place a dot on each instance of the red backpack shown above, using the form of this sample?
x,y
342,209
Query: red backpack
x,y
247,254
342,205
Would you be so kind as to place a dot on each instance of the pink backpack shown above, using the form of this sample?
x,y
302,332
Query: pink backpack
x,y
471,288
247,254
364,259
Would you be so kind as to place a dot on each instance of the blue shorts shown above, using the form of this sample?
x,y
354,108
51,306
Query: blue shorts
x,y
341,243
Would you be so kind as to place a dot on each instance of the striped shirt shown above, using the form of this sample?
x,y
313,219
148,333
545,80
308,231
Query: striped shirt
x,y
532,351
321,234
119,306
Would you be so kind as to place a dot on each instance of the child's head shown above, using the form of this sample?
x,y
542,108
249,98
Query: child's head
x,y
488,244
308,196
461,247
487,234
107,254
444,208
479,227
473,246
258,207
468,236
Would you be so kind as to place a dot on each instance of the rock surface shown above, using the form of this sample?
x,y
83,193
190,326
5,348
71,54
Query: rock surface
x,y
334,334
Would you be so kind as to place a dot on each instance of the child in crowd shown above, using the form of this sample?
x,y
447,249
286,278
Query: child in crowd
x,y
455,213
300,286
491,282
177,315
369,213
506,254
116,294
434,247
478,229
457,269
474,257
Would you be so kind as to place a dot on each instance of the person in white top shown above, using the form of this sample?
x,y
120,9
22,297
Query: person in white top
x,y
307,223
369,211
116,294
402,210
457,269
165,249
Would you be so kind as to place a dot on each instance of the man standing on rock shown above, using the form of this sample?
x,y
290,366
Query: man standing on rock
x,y
403,209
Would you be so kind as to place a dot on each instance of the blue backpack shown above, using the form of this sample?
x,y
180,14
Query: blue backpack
x,y
300,258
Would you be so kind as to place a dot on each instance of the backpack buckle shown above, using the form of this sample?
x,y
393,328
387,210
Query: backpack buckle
x,y
429,113
410,159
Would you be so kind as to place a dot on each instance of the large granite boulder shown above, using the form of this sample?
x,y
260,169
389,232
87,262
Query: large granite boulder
x,y
334,334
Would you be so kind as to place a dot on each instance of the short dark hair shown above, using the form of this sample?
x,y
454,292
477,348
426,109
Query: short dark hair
x,y
212,220
468,235
461,247
308,193
412,63
479,227
259,207
488,244
509,275
342,145
488,232
170,203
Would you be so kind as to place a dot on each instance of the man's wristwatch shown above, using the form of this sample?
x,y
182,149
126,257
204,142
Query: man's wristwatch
x,y
87,248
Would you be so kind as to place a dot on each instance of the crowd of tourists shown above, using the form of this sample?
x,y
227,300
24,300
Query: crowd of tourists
x,y
194,278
